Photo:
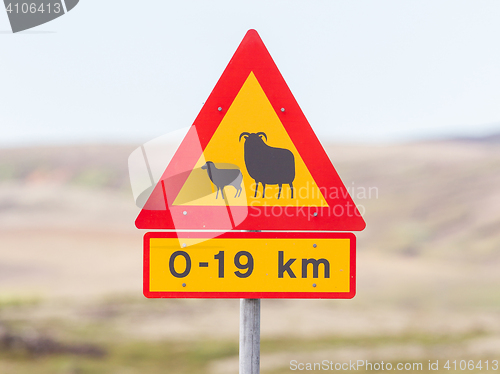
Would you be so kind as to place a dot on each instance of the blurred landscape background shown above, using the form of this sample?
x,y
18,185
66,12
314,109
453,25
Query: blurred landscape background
x,y
71,268
405,98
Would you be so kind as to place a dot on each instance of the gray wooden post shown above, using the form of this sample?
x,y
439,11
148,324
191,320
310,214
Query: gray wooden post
x,y
249,336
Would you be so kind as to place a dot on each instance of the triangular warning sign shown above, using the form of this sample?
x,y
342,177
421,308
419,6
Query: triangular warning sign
x,y
250,161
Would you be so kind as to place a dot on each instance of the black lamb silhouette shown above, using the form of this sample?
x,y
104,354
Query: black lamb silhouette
x,y
224,177
268,165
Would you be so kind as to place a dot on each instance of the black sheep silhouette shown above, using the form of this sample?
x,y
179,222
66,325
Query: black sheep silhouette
x,y
224,177
268,165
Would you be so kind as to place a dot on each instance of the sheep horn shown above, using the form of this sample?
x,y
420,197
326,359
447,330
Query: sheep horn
x,y
262,133
243,134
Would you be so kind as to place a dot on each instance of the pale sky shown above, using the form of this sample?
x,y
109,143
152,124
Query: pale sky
x,y
366,71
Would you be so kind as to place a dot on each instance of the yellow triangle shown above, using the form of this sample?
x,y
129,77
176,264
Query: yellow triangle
x,y
250,112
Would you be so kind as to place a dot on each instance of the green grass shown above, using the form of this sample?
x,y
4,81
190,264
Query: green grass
x,y
133,357
94,178
128,354
130,357
7,300
423,340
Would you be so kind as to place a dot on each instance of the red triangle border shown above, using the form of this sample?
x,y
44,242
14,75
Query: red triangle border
x,y
252,55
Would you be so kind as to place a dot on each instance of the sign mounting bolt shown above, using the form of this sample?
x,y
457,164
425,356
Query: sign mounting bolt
x,y
219,109
282,109
314,284
183,284
184,245
315,214
185,213
315,245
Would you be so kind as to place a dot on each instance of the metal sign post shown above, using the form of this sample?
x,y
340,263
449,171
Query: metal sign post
x,y
249,336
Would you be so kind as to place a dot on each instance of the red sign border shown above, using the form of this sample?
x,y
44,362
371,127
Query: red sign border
x,y
252,295
251,56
